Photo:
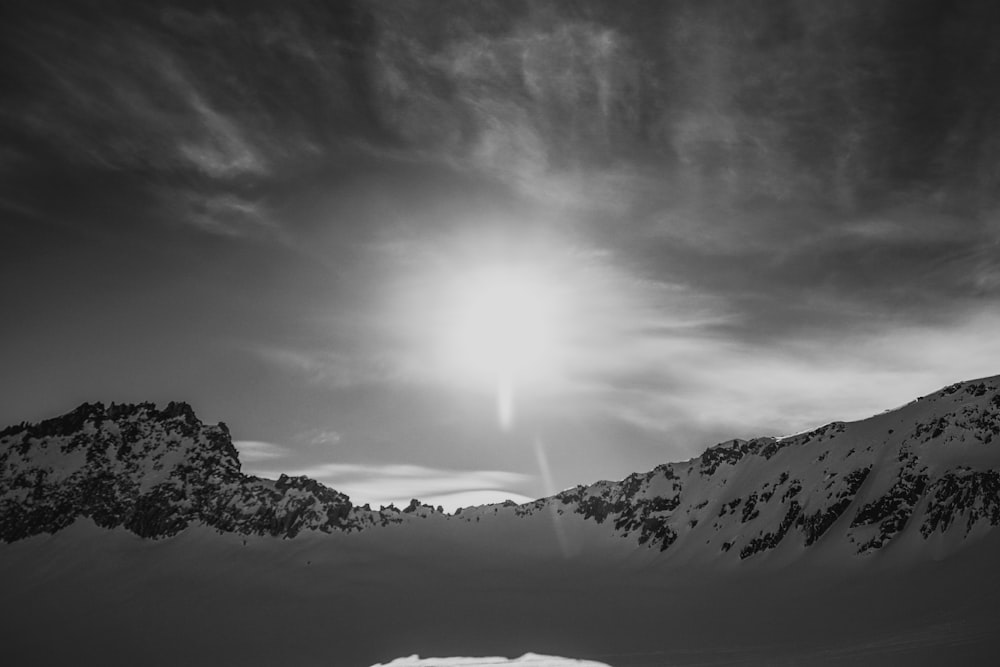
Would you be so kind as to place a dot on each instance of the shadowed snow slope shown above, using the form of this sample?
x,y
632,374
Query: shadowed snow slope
x,y
526,660
132,537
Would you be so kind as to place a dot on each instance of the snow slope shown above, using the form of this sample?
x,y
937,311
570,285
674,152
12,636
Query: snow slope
x,y
526,660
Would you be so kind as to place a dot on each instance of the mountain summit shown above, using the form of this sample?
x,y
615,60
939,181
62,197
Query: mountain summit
x,y
929,471
153,472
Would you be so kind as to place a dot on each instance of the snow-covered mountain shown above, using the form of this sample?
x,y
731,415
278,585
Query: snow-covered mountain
x,y
871,542
153,472
930,468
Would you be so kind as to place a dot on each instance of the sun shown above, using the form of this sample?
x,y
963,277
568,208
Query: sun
x,y
503,330
502,321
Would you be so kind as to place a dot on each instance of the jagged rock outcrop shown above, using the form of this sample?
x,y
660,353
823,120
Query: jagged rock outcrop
x,y
153,472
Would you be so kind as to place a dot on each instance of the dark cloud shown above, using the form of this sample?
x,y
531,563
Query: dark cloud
x,y
835,106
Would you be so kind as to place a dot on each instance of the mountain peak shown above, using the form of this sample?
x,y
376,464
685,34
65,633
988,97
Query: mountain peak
x,y
96,413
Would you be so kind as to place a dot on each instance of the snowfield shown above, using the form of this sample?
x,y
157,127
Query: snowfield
x,y
528,659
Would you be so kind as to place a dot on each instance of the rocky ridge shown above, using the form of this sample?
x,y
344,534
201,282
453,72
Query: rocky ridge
x,y
153,472
931,468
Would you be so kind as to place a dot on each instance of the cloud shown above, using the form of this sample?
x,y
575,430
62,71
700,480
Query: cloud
x,y
399,483
534,107
318,437
212,142
335,368
734,388
223,151
254,451
183,103
128,104
386,484
601,114
224,214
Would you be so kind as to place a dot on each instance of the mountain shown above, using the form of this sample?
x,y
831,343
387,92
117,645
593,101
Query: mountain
x,y
930,467
865,541
153,472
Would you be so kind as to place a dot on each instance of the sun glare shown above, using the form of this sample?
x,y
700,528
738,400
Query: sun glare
x,y
502,330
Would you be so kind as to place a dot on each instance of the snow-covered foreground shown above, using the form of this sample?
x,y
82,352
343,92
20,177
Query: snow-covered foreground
x,y
90,596
526,660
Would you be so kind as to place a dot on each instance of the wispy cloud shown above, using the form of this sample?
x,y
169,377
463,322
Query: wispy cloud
x,y
741,389
224,152
399,483
334,368
321,437
225,214
254,451
141,101
541,108
216,144
129,104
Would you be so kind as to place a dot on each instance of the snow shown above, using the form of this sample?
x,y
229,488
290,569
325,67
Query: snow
x,y
528,659
368,598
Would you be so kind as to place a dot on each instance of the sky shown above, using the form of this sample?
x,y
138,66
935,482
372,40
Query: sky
x,y
733,219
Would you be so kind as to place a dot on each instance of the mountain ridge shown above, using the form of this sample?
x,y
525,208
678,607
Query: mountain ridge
x,y
929,469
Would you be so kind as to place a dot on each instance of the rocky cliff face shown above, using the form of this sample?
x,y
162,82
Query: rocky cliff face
x,y
929,468
154,472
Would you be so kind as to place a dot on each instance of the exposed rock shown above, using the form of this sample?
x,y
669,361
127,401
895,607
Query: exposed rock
x,y
153,472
